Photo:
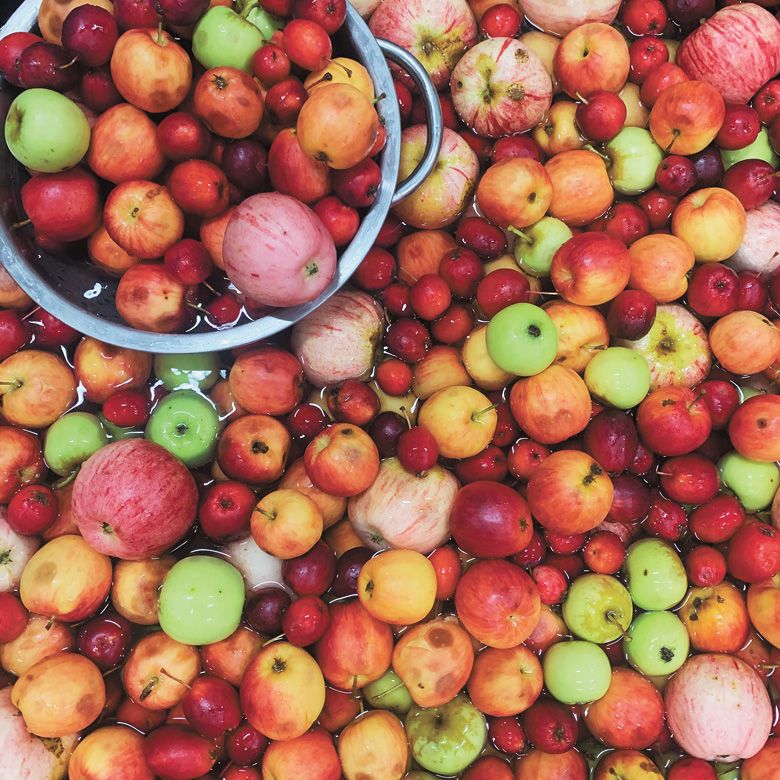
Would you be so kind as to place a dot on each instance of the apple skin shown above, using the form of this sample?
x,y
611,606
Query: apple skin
x,y
673,421
659,266
401,509
103,369
626,763
222,38
46,131
149,297
582,333
654,574
21,461
760,247
518,85
576,672
310,756
133,499
762,764
656,643
375,744
266,380
490,520
745,342
497,603
597,608
750,34
437,34
562,766
254,449
753,482
706,687
447,191
634,158
71,440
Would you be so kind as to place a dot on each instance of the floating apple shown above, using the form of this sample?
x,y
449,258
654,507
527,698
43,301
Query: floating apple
x,y
597,608
656,643
655,575
576,672
71,440
521,339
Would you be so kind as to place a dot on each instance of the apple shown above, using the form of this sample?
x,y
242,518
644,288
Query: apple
x,y
201,600
673,421
582,333
286,524
659,266
592,57
676,348
521,339
478,363
759,149
561,17
745,342
574,480
751,33
544,45
448,738
103,369
656,643
313,752
626,763
401,509
132,499
655,575
229,658
46,131
758,766
331,507
21,461
446,193
560,132
697,697
141,675
389,693
40,638
618,376
105,748
191,371
753,482
716,618
576,672
420,252
537,244
514,81
597,608
224,38
712,222
582,190
434,660
375,744
505,682
497,603
514,192
634,158
441,367
11,295
752,428
72,439
437,35
762,600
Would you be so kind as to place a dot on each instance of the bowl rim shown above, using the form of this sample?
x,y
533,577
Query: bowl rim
x,y
23,271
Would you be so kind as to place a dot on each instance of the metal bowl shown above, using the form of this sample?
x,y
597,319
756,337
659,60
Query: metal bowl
x,y
70,287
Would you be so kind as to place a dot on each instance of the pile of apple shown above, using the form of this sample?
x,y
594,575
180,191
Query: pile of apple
x,y
506,508
183,159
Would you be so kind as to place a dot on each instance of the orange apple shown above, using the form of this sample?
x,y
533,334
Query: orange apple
x,y
754,428
341,537
441,367
505,682
110,753
104,369
636,112
763,765
36,388
592,57
569,493
283,691
212,233
590,268
763,603
551,406
11,295
659,266
582,191
40,638
628,764
312,755
745,342
582,333
687,117
286,524
716,618
21,461
66,579
149,297
331,507
142,217
227,406
712,222
135,588
103,251
139,717
230,657
159,670
559,132
479,365
356,648
536,764
254,449
60,695
461,419
420,253
374,745
397,586
434,660
342,460
514,192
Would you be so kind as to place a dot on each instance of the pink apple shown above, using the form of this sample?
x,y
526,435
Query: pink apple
x,y
737,50
760,248
501,87
562,16
134,500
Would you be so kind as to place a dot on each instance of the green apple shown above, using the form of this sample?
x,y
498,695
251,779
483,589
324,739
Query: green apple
x,y
727,771
576,672
46,131
253,12
223,38
521,339
196,371
446,739
598,608
416,775
201,600
655,575
634,157
389,693
117,433
618,376
656,643
71,440
760,149
536,245
186,424
747,391
753,482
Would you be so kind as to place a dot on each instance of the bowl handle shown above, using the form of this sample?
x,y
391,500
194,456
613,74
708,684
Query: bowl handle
x,y
435,123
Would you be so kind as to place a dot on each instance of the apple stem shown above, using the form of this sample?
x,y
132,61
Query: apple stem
x,y
66,480
405,413
664,473
698,398
545,292
343,67
592,148
210,288
355,694
520,234
594,347
273,639
68,64
17,225
160,37
476,415
31,312
388,691
269,515
611,617
326,77
175,679
769,667
17,385
675,136
379,98
581,98
50,623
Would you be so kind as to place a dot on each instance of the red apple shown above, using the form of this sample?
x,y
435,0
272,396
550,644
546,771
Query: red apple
x,y
266,380
253,449
293,172
673,421
149,297
753,428
21,461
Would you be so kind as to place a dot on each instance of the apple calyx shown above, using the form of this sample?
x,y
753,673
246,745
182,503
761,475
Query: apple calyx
x,y
594,472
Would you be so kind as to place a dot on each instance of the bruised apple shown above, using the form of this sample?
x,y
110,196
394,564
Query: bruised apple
x,y
135,588
562,16
374,745
40,638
